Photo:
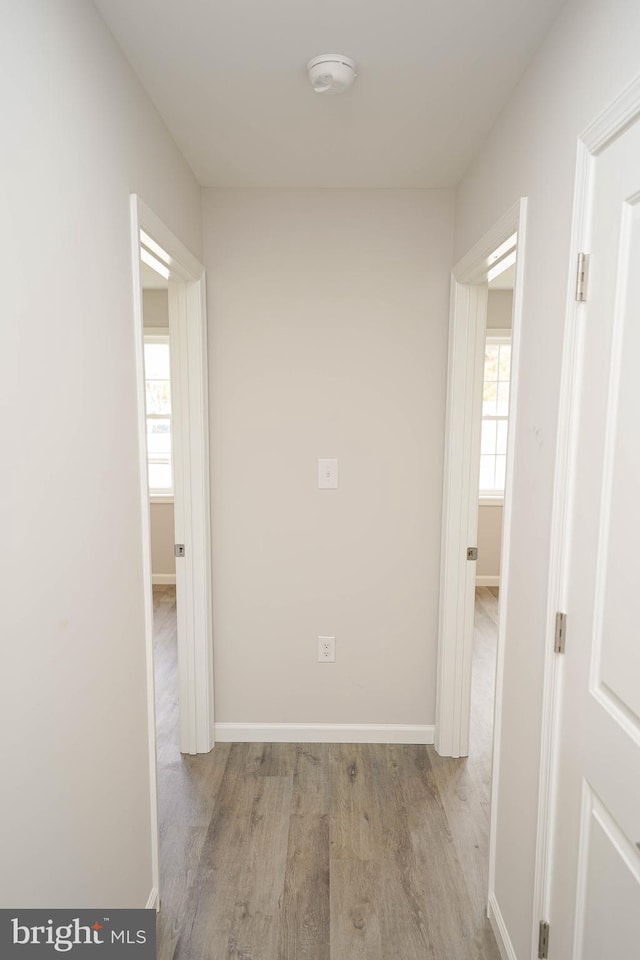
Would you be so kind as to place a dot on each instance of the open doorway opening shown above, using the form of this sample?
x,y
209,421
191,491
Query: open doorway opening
x,y
160,474
172,414
494,437
479,457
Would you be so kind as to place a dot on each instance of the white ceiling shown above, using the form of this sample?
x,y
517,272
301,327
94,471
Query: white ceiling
x,y
229,78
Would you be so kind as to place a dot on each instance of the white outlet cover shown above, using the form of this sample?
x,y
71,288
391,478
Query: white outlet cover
x,y
326,649
327,474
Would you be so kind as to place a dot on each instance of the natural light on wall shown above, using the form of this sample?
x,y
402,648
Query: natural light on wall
x,y
158,406
495,414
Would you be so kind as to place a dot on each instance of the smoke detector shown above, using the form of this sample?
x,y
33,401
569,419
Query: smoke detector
x,y
331,73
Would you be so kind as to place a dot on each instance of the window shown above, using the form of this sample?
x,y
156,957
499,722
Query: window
x,y
495,415
158,406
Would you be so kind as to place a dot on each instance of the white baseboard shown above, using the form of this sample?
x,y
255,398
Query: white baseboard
x,y
500,930
152,902
487,581
324,733
158,579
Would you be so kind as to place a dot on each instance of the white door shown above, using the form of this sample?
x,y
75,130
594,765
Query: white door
x,y
595,895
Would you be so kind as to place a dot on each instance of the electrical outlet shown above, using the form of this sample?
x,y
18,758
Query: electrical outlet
x,y
326,649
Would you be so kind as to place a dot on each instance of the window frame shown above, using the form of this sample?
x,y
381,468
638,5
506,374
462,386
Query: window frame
x,y
495,336
159,335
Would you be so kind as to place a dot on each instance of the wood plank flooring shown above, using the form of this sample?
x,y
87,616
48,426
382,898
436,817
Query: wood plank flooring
x,y
322,851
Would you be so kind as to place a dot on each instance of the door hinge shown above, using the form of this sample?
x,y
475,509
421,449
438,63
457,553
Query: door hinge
x,y
561,632
178,549
582,276
543,941
472,553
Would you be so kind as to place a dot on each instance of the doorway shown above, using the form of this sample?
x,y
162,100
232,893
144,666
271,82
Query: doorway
x,y
159,441
494,435
467,445
153,243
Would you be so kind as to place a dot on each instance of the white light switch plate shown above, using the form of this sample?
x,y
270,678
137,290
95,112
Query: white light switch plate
x,y
327,474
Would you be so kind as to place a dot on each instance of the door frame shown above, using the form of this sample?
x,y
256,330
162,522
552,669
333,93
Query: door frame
x,y
190,423
460,499
607,126
467,329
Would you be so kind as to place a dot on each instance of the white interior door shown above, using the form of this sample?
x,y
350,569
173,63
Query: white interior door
x,y
595,895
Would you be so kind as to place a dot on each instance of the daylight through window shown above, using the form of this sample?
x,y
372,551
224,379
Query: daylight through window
x,y
158,407
495,414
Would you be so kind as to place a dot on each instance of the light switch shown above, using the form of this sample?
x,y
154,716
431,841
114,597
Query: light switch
x,y
327,474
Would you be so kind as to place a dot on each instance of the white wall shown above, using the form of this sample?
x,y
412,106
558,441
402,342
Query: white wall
x,y
589,56
328,338
500,309
163,561
75,825
155,309
489,544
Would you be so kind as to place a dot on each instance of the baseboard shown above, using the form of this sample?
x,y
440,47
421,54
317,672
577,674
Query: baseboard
x,y
500,930
158,579
152,902
487,581
324,733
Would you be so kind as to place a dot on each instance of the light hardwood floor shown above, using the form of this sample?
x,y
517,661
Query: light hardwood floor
x,y
322,851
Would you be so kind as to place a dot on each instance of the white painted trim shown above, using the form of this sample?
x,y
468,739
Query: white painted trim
x,y
459,517
181,262
153,901
588,800
160,498
487,581
324,733
500,931
487,501
606,127
475,265
157,332
613,119
157,335
163,579
187,323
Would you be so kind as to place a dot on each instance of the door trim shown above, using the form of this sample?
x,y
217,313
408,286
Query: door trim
x,y
461,473
460,519
187,326
188,335
324,733
606,127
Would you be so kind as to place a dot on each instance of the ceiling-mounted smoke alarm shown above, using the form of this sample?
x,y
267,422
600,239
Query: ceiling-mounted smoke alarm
x,y
331,73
